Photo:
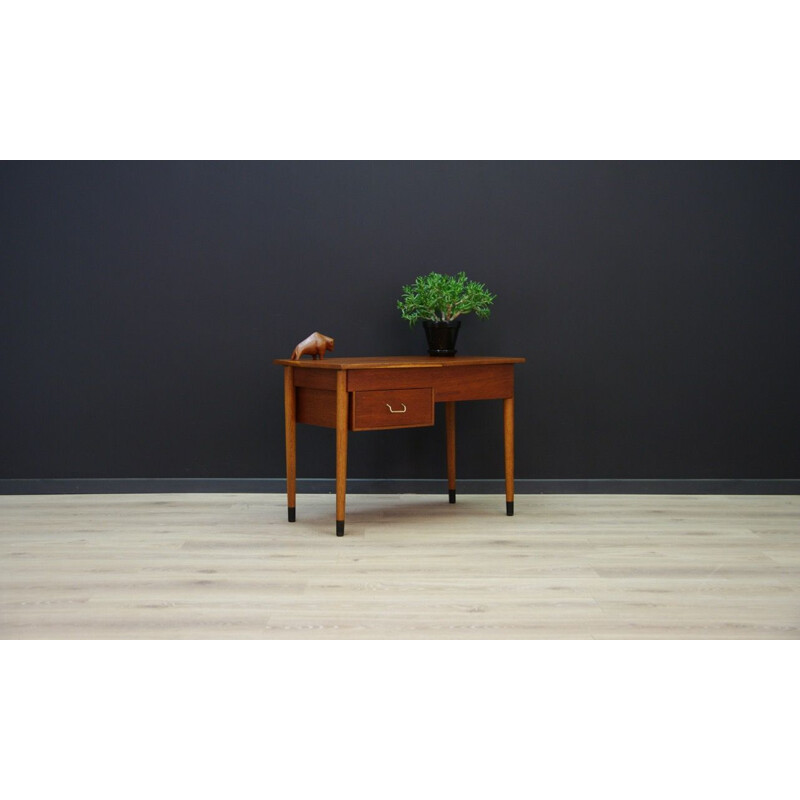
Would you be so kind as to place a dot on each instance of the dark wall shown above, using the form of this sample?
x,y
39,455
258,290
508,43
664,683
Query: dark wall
x,y
141,305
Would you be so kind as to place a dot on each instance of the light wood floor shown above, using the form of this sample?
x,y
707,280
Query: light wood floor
x,y
228,566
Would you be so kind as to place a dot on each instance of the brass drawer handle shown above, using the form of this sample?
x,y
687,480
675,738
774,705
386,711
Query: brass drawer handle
x,y
392,411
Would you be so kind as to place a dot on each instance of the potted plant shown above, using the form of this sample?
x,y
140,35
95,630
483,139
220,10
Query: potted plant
x,y
438,300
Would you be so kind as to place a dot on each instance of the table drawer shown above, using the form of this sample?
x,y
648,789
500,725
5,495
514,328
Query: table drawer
x,y
392,408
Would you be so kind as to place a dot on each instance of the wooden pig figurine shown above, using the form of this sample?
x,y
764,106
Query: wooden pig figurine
x,y
315,345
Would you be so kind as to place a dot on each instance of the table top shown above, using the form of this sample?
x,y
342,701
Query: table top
x,y
395,362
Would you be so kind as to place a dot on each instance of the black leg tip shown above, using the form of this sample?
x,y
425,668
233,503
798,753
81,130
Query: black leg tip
x,y
452,495
340,527
510,508
292,515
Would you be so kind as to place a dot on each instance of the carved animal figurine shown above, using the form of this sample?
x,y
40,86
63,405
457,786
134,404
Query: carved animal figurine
x,y
314,345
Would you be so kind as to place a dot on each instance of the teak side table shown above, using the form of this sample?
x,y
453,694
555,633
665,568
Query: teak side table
x,y
362,394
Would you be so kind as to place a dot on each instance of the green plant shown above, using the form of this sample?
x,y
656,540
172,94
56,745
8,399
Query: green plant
x,y
442,298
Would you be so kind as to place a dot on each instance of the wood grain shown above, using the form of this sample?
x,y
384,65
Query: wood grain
x,y
290,412
229,566
375,379
395,362
393,408
508,446
315,379
342,419
316,407
450,440
478,382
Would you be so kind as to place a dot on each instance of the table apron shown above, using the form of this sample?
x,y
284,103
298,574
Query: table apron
x,y
485,382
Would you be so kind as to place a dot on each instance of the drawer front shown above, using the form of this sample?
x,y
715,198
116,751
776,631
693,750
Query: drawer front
x,y
392,408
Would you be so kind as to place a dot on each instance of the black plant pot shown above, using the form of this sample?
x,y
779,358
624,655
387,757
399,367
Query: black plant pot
x,y
441,337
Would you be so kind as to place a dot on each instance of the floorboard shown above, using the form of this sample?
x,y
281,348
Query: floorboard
x,y
228,566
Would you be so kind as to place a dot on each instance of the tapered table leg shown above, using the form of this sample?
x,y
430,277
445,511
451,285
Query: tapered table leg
x,y
290,414
450,427
508,441
341,448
